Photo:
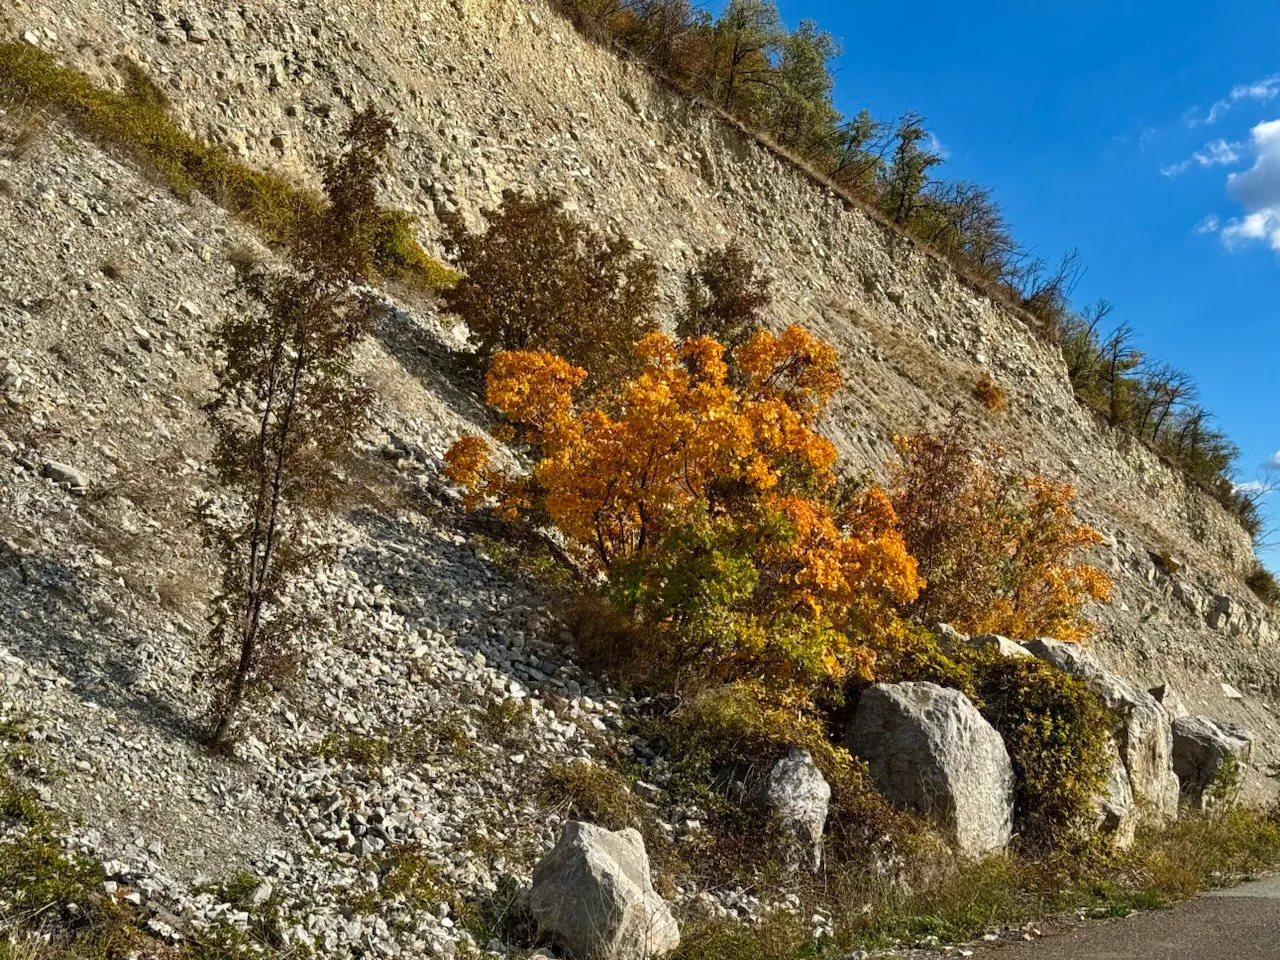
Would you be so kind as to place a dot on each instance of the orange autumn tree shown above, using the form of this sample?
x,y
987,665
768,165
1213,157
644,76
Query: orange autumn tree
x,y
706,504
1001,550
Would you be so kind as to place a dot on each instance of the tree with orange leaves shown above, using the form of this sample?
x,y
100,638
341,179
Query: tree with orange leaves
x,y
1001,550
706,504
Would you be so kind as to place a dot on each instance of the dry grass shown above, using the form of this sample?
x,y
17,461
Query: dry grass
x,y
956,902
246,259
27,138
990,394
137,123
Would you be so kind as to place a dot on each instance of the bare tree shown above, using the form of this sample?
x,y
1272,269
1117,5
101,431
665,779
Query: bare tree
x,y
1046,292
1165,390
1120,357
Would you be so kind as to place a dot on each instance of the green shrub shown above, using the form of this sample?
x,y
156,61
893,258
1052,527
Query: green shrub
x,y
1224,789
911,654
729,739
406,876
1056,731
137,122
397,255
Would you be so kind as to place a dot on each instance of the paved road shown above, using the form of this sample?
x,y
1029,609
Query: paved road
x,y
1238,924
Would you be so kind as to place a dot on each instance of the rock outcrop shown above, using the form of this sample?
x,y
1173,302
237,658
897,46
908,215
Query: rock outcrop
x,y
1202,750
104,376
1168,698
930,751
593,895
1002,645
1117,813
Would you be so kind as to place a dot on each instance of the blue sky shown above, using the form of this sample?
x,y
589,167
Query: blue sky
x,y
1132,131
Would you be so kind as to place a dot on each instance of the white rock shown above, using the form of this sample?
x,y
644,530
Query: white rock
x,y
593,895
798,794
930,751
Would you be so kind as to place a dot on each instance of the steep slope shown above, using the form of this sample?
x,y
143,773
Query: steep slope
x,y
105,371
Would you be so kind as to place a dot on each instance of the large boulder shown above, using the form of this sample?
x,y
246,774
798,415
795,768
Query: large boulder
x,y
1117,813
930,751
1202,749
1145,737
1142,728
798,795
592,894
1070,658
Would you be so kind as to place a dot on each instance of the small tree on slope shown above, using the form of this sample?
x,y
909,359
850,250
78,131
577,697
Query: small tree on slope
x,y
285,412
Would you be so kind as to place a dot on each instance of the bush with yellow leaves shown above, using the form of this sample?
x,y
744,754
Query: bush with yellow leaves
x,y
708,505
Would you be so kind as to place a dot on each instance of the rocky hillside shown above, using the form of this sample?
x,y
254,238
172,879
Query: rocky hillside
x,y
447,681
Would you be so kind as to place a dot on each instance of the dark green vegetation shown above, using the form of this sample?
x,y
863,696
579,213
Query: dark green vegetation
x,y
1056,732
778,84
136,121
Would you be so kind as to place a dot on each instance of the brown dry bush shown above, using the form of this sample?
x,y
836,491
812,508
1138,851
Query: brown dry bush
x,y
28,137
1264,585
725,298
992,396
286,412
538,279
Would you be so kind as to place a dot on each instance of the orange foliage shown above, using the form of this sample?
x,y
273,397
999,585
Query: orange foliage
x,y
623,478
853,570
992,395
1000,551
612,476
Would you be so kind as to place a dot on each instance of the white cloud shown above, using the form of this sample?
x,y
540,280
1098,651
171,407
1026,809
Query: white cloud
x,y
936,146
1213,154
1253,486
1258,191
1260,91
1272,465
1210,224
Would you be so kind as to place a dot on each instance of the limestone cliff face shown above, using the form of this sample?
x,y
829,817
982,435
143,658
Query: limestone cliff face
x,y
495,94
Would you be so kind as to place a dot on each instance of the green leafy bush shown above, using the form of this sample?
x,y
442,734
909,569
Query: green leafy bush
x,y
397,255
911,653
1056,731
